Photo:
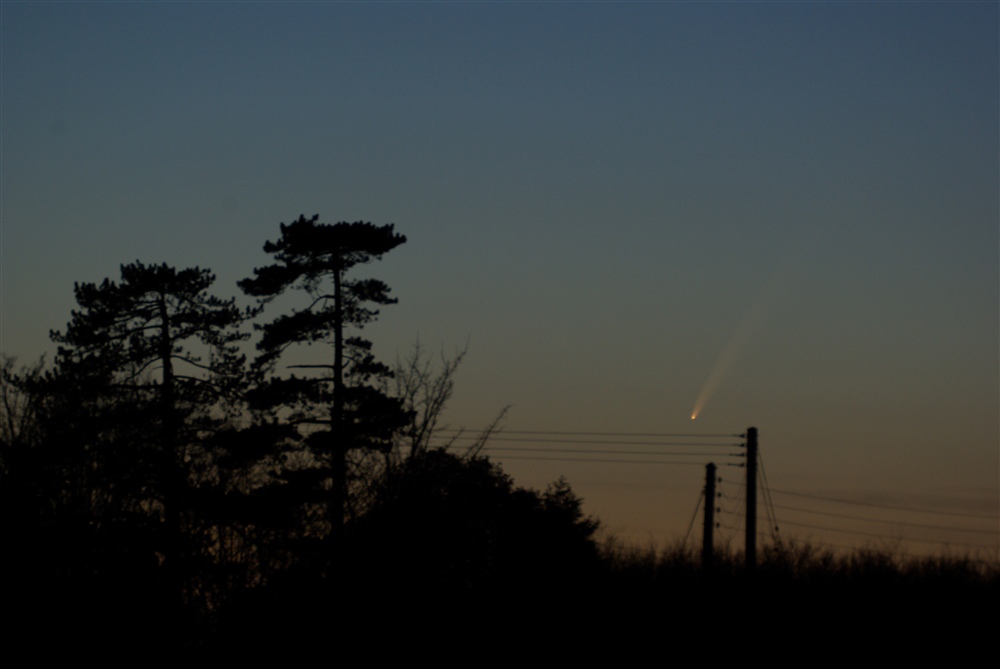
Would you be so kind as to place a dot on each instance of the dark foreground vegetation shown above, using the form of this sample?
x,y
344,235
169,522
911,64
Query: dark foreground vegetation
x,y
162,497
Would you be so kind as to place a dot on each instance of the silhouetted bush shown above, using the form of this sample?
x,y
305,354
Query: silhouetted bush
x,y
459,527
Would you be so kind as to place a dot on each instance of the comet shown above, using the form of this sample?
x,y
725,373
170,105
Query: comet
x,y
747,326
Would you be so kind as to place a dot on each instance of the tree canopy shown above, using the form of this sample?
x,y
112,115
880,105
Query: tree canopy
x,y
149,320
315,257
349,400
150,469
110,452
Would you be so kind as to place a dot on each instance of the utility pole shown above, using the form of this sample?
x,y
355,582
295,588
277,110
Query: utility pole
x,y
751,524
706,535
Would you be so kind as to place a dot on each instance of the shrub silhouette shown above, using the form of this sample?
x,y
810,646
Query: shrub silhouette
x,y
455,527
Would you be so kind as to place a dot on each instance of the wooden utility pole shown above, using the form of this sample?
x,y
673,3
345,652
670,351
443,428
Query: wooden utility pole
x,y
706,535
751,524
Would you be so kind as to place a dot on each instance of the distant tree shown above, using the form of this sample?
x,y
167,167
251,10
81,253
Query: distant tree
x,y
425,389
424,392
20,428
23,464
348,400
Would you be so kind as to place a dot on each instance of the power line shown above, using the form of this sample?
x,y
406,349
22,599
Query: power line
x,y
603,460
525,440
892,522
882,536
768,500
694,516
595,451
671,435
578,440
884,506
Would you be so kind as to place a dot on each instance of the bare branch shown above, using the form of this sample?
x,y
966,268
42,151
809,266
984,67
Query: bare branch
x,y
485,435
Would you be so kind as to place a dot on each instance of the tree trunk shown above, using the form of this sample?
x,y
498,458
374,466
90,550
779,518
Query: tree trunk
x,y
337,432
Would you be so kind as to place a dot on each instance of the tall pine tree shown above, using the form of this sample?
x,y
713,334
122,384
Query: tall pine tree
x,y
153,359
339,404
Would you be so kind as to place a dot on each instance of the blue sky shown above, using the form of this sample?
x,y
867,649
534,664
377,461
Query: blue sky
x,y
598,197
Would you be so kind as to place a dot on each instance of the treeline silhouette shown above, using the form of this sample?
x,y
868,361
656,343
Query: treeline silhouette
x,y
159,490
161,494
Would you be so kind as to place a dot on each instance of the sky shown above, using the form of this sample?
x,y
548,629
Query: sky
x,y
611,204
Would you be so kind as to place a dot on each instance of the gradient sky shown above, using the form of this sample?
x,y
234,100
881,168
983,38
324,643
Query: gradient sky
x,y
601,198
